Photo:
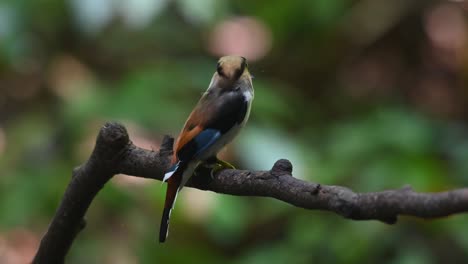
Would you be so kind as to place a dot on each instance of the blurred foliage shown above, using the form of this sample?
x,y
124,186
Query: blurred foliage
x,y
367,94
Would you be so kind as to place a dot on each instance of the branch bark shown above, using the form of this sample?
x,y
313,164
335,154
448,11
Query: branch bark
x,y
114,153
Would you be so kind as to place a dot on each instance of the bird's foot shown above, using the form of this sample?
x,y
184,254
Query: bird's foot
x,y
216,165
225,165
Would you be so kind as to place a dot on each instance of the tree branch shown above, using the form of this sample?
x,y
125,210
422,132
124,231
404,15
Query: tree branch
x,y
114,153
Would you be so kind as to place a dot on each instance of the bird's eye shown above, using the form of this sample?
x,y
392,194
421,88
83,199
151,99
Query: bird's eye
x,y
244,62
219,69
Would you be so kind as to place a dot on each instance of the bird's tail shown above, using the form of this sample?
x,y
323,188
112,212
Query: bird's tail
x,y
173,187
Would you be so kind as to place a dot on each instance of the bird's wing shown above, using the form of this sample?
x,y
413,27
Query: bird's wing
x,y
212,117
200,143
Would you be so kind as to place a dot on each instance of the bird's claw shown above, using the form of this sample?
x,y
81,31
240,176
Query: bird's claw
x,y
225,165
216,166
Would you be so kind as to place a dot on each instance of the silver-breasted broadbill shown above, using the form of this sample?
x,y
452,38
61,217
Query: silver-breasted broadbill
x,y
217,118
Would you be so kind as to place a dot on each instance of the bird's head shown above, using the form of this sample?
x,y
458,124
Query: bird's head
x,y
231,72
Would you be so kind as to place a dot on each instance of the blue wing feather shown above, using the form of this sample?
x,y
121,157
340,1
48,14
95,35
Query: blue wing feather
x,y
198,144
206,139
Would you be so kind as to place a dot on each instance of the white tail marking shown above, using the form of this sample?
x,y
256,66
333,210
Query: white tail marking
x,y
171,172
168,175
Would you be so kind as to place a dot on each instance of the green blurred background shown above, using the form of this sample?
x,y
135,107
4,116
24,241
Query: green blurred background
x,y
369,94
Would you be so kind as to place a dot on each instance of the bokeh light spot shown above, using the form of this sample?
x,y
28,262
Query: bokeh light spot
x,y
243,36
445,27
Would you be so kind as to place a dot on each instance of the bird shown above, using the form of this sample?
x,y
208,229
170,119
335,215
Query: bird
x,y
217,118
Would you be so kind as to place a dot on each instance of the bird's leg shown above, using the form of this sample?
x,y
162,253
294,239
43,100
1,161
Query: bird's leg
x,y
224,164
216,165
